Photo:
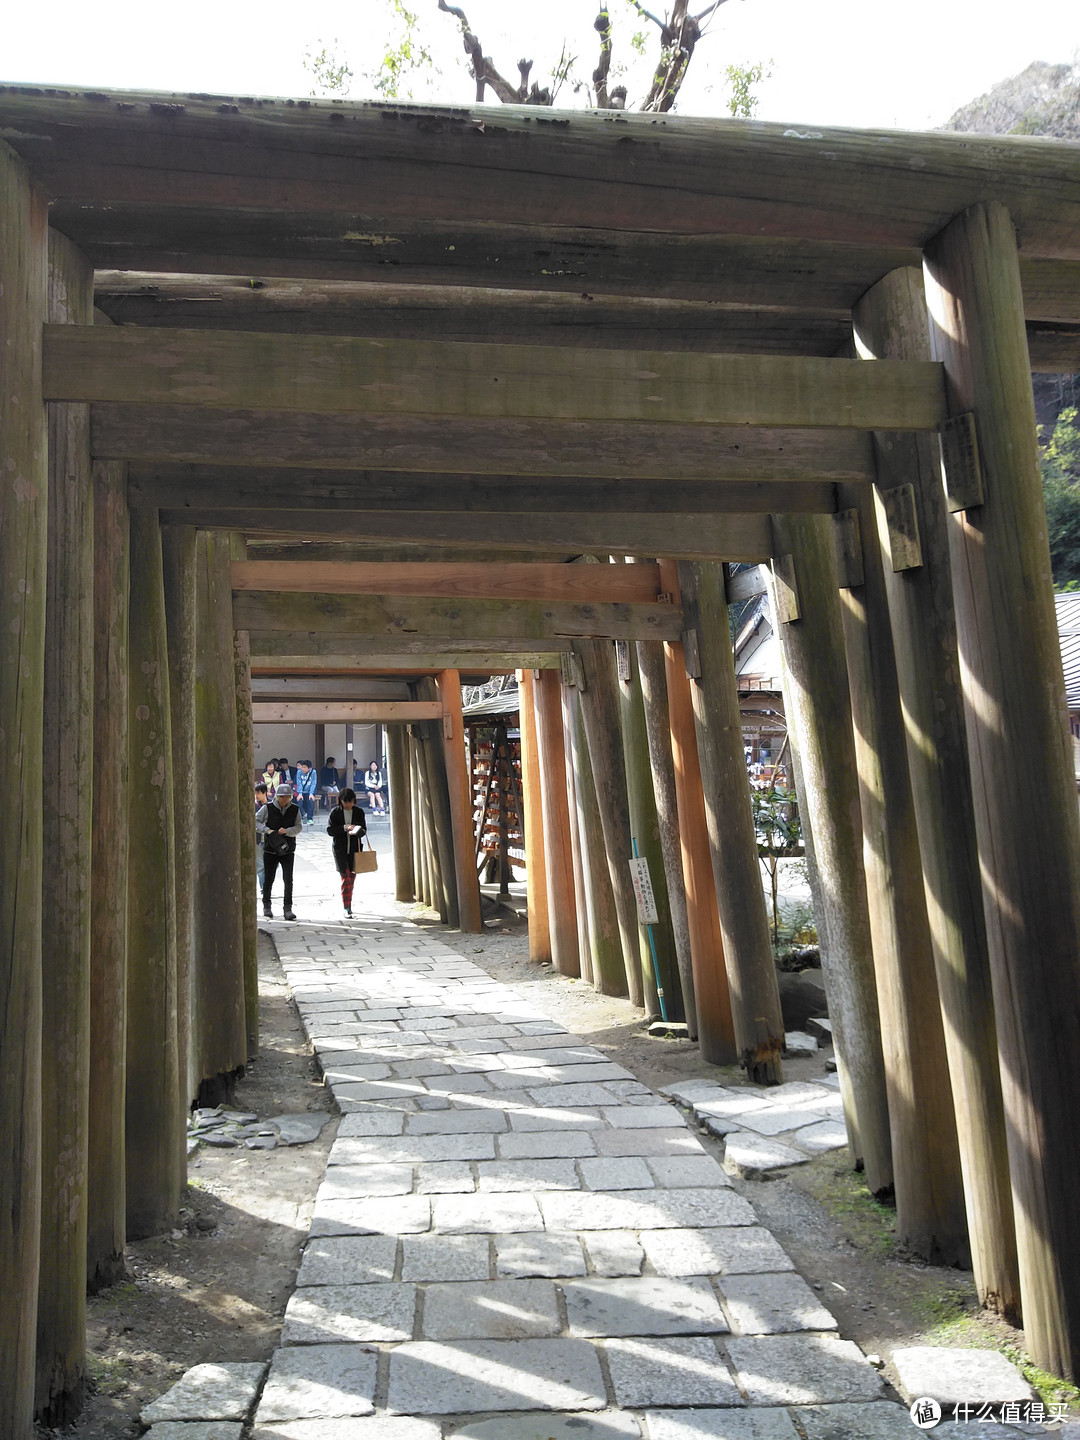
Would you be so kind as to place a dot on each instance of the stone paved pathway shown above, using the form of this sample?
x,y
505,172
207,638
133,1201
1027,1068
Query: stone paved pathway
x,y
516,1240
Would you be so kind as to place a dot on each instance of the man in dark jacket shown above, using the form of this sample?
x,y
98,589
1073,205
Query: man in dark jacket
x,y
279,823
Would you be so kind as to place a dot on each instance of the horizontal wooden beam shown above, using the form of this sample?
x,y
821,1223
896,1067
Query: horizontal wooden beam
x,y
344,712
625,584
340,374
282,645
647,451
412,617
236,487
1054,349
326,687
745,584
467,662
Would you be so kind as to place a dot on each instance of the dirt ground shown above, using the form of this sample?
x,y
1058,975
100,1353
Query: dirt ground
x,y
216,1289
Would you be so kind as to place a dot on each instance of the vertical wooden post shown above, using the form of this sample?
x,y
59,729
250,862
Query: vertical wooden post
x,y
533,822
558,857
24,506
585,951
400,812
1026,815
245,809
650,657
927,1181
755,994
438,798
67,799
155,1109
178,571
108,885
712,999
819,719
891,323
459,786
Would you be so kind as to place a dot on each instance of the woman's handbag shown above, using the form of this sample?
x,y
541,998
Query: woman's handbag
x,y
365,861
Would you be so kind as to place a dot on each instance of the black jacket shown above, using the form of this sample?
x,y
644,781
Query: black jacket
x,y
345,845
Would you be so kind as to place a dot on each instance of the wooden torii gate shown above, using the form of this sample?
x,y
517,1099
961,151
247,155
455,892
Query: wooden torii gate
x,y
242,333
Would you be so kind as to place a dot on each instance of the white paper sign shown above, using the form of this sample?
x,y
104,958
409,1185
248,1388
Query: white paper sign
x,y
643,891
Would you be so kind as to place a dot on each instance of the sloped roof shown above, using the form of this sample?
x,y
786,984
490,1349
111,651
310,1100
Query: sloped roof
x,y
1068,620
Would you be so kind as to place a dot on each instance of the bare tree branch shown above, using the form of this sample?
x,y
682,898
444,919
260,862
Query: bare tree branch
x,y
602,25
483,71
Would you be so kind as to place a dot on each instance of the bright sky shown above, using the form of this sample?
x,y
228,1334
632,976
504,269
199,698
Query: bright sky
x,y
834,62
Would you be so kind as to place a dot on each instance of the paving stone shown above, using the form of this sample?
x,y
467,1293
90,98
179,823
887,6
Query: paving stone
x,y
822,1027
716,1125
504,1175
644,1209
492,1214
318,1381
676,1172
209,1392
775,1122
196,1430
323,1314
683,1371
632,1092
647,1142
798,1042
642,1117
420,1069
442,1378
390,1215
459,1083
826,1135
553,1118
686,1092
881,1420
614,1252
951,1375
749,1156
371,1070
540,1252
445,1177
642,1305
457,1122
432,1102
445,1257
544,1144
381,1427
362,1123
795,1092
348,1260
576,1093
729,1104
721,1425
773,1305
612,1173
609,1425
490,1310
562,1055
731,1251
412,1149
802,1370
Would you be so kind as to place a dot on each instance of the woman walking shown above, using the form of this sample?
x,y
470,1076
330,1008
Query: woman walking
x,y
347,828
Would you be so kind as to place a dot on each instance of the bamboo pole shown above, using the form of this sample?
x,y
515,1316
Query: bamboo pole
x,y
245,799
108,885
558,856
155,1107
459,787
400,813
533,822
24,506
892,317
68,798
1026,818
755,995
819,721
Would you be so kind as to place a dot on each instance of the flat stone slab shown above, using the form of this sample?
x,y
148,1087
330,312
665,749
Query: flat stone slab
x,y
614,1172
750,1156
348,1260
322,1314
642,1305
773,1305
614,1252
685,1371
445,1177
610,1425
951,1375
440,1378
493,1214
362,1123
642,1117
576,1117
802,1369
775,1122
677,1172
528,1175
644,1209
721,1425
456,1122
826,1135
299,1129
412,1149
445,1257
490,1310
209,1392
382,1427
798,1042
196,1430
318,1381
647,1142
687,1091
545,1144
342,1182
395,1215
881,1420
543,1253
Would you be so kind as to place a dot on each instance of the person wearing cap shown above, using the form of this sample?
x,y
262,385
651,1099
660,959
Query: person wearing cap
x,y
279,823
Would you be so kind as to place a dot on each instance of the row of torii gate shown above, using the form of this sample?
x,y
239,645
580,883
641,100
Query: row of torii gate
x,y
299,388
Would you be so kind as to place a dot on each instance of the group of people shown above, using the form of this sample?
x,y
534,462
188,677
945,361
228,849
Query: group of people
x,y
285,803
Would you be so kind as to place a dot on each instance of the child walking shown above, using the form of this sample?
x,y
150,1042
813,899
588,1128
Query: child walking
x,y
347,828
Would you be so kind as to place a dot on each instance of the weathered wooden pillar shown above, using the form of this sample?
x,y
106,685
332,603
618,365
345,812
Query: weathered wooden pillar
x,y
927,1181
755,994
245,809
819,720
419,822
219,1036
558,857
533,822
1026,816
600,712
650,657
108,886
584,939
24,506
438,800
155,1106
400,812
605,942
891,323
178,572
67,799
459,789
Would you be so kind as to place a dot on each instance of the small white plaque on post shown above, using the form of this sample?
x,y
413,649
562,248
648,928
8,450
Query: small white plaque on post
x,y
643,891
